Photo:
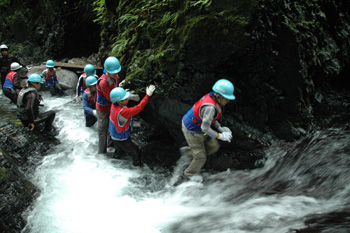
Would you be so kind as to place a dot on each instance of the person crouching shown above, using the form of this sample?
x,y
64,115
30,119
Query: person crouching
x,y
89,101
28,102
120,121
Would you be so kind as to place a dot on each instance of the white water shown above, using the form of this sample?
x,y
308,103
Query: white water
x,y
82,192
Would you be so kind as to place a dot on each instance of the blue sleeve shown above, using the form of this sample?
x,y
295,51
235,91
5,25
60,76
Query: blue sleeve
x,y
86,107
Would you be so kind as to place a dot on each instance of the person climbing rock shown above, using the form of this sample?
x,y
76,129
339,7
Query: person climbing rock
x,y
6,60
105,84
89,101
49,75
120,121
201,128
28,102
12,82
89,70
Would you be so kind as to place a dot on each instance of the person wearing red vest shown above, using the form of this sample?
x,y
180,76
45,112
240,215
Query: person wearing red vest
x,y
89,101
50,77
120,121
201,128
105,84
12,82
89,70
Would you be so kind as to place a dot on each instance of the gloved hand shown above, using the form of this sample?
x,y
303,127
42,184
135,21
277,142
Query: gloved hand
x,y
224,129
150,89
94,113
225,136
121,84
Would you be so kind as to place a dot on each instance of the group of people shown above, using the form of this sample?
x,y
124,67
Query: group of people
x,y
104,100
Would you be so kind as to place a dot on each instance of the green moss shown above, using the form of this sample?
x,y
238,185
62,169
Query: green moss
x,y
3,175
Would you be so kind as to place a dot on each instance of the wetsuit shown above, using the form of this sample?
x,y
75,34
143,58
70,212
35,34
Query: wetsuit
x,y
11,84
28,109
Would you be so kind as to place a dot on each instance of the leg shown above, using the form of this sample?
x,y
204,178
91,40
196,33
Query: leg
x,y
90,120
11,94
130,148
212,146
103,123
47,117
196,142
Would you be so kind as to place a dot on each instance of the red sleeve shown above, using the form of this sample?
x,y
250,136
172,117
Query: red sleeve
x,y
130,112
105,89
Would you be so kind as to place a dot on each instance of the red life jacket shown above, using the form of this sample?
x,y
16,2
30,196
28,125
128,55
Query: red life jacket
x,y
193,121
9,81
103,103
117,131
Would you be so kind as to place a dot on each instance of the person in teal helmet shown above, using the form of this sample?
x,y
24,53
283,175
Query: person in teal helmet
x,y
89,101
201,127
50,77
120,121
28,102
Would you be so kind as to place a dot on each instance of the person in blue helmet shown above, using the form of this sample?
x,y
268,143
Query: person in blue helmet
x,y
50,77
28,102
201,128
89,70
120,121
89,101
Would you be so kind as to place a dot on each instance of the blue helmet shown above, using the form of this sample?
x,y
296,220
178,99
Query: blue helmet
x,y
224,88
35,78
91,80
112,65
119,94
89,70
50,63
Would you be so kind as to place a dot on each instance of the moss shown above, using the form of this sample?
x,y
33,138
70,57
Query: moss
x,y
3,175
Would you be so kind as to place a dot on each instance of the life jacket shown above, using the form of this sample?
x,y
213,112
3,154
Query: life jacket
x,y
51,77
193,121
117,131
83,87
91,98
21,109
9,81
102,100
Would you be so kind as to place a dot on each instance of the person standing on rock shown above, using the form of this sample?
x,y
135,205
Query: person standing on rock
x,y
12,82
49,75
89,101
5,62
28,102
105,84
120,121
89,70
201,128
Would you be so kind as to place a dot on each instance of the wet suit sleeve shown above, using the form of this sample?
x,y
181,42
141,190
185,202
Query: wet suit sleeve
x,y
87,109
79,85
208,113
29,101
127,113
16,81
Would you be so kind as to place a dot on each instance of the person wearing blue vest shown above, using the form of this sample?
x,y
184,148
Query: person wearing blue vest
x,y
89,101
12,82
120,121
28,102
201,128
50,77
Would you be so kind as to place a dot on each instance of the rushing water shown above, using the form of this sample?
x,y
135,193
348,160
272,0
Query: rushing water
x,y
82,191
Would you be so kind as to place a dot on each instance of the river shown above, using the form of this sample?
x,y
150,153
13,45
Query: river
x,y
83,192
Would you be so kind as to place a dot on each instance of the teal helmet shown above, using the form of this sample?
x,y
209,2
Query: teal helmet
x,y
224,88
112,65
50,63
119,94
89,70
91,80
35,78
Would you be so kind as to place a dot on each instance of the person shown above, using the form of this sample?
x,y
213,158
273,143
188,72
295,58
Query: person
x,y
120,121
6,60
89,101
49,74
12,82
28,102
89,70
200,125
105,84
